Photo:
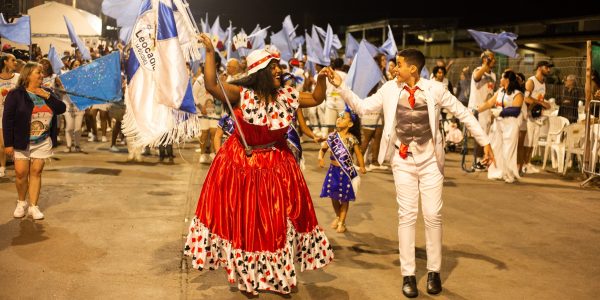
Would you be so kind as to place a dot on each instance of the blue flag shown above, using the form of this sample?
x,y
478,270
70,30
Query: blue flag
x,y
389,46
289,27
328,43
55,61
314,50
503,43
229,47
258,36
364,73
370,47
18,32
85,52
216,30
95,83
351,46
425,72
282,41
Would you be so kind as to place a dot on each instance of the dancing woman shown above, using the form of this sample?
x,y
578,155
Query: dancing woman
x,y
255,216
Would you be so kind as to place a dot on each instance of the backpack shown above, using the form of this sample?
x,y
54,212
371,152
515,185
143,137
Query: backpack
x,y
536,111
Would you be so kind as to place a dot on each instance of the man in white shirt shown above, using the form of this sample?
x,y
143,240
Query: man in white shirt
x,y
413,142
535,94
483,84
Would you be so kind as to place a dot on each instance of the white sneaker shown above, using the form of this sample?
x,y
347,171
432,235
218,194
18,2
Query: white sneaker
x,y
531,169
212,156
104,140
20,209
114,148
35,213
2,171
92,138
204,158
370,167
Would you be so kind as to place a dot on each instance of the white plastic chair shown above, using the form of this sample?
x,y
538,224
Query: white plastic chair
x,y
595,142
574,135
543,139
554,142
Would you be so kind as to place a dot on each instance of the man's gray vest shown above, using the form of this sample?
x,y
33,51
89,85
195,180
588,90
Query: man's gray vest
x,y
412,124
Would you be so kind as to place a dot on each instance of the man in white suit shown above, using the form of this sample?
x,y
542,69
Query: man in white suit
x,y
413,143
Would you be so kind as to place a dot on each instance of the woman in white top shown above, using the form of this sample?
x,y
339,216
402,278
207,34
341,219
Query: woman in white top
x,y
506,106
8,81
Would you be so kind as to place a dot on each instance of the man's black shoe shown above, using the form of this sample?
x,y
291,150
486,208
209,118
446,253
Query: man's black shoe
x,y
409,287
434,283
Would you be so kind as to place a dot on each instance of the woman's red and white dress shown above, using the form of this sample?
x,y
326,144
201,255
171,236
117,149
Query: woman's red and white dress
x,y
255,216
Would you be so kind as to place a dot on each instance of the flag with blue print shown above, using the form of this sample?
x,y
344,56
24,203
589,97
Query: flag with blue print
x,y
364,73
95,83
85,52
160,105
503,43
18,31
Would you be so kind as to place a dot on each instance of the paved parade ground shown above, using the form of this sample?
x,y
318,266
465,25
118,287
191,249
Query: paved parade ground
x,y
115,230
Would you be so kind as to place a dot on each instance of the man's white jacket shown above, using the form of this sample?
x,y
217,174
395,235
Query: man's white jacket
x,y
437,97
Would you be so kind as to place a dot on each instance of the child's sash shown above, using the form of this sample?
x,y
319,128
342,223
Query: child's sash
x,y
293,139
342,155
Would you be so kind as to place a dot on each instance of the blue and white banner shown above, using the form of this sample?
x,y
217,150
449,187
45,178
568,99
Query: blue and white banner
x,y
160,105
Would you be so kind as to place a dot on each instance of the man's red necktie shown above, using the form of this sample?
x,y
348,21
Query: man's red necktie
x,y
411,100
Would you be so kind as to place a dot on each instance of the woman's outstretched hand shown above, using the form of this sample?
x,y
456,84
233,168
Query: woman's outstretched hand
x,y
334,78
205,39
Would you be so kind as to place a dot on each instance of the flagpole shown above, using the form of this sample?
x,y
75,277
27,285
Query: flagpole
x,y
247,148
30,42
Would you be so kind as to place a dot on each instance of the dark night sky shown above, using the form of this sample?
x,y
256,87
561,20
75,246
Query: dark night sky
x,y
247,13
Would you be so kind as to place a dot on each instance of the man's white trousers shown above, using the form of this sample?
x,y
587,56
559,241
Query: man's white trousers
x,y
417,177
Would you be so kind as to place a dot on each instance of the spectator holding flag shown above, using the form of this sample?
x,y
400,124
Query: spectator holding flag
x,y
255,203
483,82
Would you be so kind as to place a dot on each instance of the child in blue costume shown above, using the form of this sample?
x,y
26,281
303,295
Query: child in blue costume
x,y
341,181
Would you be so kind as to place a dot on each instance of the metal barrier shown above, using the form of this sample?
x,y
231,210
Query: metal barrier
x,y
591,154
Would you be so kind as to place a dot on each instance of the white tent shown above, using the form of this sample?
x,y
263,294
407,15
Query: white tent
x,y
48,26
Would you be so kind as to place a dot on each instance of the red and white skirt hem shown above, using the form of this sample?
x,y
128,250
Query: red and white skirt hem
x,y
260,270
